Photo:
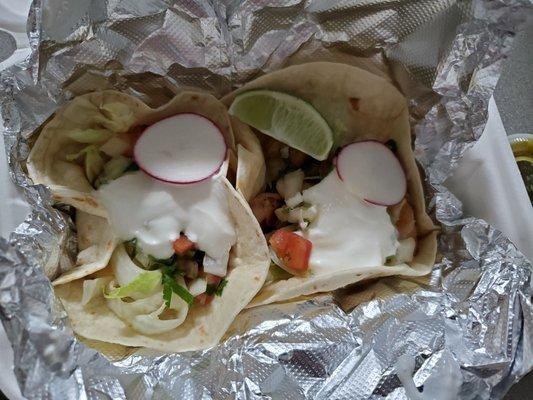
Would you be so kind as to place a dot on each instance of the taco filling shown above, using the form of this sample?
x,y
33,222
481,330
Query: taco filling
x,y
169,252
314,222
176,242
341,198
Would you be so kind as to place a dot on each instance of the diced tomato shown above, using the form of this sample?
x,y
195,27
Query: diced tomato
x,y
292,249
204,299
182,245
212,279
263,207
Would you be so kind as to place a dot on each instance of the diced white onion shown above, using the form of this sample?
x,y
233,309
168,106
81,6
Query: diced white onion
x,y
290,184
294,200
217,266
198,286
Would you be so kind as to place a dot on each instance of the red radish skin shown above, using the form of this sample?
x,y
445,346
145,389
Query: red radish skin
x,y
223,158
381,151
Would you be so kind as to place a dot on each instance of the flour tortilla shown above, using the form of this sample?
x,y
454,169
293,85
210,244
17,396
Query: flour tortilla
x,y
251,166
204,325
358,105
47,164
67,180
96,243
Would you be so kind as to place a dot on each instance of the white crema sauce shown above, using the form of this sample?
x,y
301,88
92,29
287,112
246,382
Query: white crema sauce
x,y
156,213
347,230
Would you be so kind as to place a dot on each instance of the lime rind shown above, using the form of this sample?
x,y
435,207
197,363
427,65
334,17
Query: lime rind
x,y
286,118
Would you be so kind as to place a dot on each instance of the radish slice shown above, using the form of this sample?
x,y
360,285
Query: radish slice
x,y
183,149
370,170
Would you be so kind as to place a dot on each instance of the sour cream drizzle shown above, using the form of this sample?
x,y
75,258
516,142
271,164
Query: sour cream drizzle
x,y
155,213
347,230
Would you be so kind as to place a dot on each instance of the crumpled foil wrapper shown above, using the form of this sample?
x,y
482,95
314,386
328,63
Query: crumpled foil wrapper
x,y
469,325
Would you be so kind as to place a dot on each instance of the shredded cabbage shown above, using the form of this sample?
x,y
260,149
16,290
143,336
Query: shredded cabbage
x,y
118,117
144,284
115,146
124,269
90,136
113,169
143,314
145,292
94,163
127,310
150,324
93,288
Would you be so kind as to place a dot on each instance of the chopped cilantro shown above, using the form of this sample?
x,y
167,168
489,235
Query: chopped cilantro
x,y
217,289
171,286
169,269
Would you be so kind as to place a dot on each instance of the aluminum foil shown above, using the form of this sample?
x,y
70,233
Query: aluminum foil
x,y
468,327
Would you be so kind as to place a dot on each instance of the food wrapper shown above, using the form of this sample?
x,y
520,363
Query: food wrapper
x,y
465,331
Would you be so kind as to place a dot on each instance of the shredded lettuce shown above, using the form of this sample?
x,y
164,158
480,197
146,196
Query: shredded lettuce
x,y
82,152
90,136
118,116
124,268
94,163
115,146
170,287
113,169
151,302
144,284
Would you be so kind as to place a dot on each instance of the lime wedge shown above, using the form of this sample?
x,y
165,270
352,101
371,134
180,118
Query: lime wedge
x,y
285,118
